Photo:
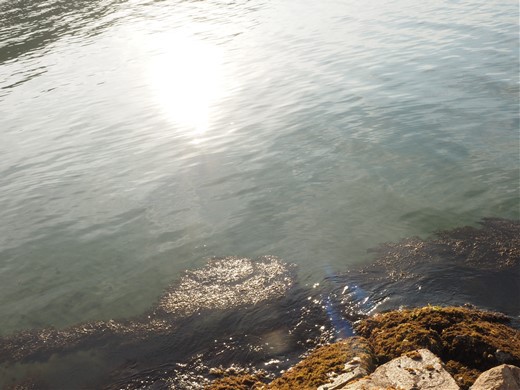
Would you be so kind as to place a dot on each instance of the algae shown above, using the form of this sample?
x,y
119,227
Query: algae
x,y
244,381
223,284
479,265
493,246
316,368
468,341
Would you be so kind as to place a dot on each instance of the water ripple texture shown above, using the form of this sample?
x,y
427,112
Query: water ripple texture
x,y
139,138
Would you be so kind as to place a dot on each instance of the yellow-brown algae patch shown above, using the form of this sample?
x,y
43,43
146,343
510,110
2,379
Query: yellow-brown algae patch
x,y
316,369
244,381
469,341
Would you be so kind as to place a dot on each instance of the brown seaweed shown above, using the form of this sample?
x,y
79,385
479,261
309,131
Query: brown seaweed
x,y
469,341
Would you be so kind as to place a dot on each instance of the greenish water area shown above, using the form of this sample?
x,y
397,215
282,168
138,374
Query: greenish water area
x,y
140,138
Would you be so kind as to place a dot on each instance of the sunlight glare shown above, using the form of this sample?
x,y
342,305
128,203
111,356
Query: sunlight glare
x,y
186,79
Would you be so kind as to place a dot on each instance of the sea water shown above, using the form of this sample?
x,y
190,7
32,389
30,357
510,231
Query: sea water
x,y
139,138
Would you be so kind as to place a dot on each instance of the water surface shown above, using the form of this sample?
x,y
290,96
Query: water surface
x,y
139,138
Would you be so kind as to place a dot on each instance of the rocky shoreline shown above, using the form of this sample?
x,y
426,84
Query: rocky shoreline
x,y
426,348
238,323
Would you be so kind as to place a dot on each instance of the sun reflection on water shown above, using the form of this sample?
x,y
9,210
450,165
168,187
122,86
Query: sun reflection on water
x,y
186,77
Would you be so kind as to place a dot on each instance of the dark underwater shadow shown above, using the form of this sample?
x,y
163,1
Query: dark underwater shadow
x,y
233,310
467,265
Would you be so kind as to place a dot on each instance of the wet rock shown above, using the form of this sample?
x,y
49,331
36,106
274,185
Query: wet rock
x,y
354,369
418,370
222,313
503,377
468,341
352,356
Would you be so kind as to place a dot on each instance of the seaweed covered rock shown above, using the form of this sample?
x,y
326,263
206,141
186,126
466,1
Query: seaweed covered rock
x,y
242,381
468,341
324,363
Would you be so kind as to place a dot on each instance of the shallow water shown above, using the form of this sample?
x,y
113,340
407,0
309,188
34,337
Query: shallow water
x,y
139,138
255,315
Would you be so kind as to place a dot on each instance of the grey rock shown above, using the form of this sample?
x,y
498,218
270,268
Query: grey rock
x,y
503,377
418,370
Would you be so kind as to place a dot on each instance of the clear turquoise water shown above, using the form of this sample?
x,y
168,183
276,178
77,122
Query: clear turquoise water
x,y
138,138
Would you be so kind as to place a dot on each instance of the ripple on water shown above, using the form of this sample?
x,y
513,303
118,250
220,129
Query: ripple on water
x,y
254,313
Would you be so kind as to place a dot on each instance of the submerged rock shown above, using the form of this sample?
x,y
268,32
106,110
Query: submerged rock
x,y
476,265
225,283
225,312
503,377
416,370
495,245
253,314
